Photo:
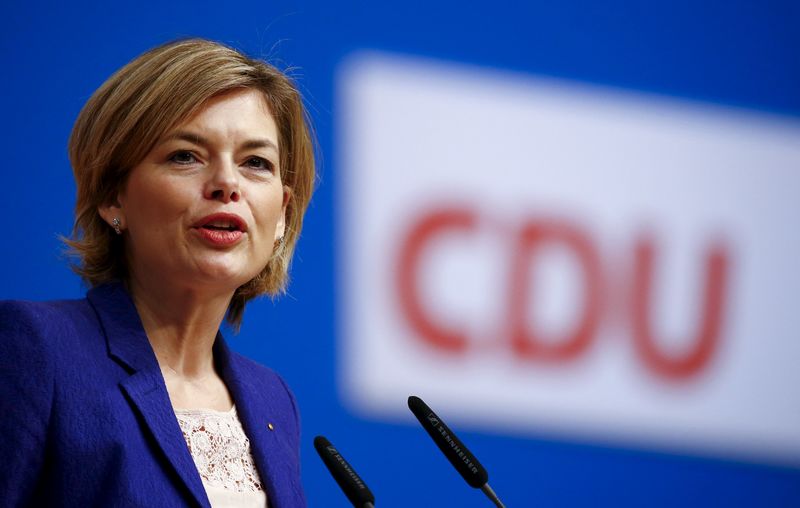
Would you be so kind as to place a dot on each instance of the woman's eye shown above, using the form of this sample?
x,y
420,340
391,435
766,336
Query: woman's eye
x,y
183,157
259,163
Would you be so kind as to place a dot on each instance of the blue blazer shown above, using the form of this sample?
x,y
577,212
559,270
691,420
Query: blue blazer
x,y
85,418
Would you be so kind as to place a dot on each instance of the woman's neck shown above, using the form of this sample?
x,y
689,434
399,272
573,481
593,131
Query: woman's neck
x,y
181,325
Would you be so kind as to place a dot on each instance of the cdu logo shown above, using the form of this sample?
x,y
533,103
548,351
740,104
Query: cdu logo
x,y
433,419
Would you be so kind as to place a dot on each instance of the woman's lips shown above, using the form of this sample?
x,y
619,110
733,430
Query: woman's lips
x,y
221,229
219,237
222,220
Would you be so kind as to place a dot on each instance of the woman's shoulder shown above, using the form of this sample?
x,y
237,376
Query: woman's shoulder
x,y
32,322
50,308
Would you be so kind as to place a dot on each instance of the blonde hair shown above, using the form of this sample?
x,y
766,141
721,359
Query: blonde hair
x,y
123,120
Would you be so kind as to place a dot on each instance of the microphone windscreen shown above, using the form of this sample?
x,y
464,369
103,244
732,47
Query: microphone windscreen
x,y
455,451
351,484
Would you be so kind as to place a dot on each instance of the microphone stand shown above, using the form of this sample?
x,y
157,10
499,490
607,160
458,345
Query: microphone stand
x,y
491,495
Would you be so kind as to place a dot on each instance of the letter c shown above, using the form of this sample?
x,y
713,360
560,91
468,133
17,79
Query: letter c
x,y
420,236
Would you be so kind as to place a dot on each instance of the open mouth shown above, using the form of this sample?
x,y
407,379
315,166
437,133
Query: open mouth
x,y
222,222
221,227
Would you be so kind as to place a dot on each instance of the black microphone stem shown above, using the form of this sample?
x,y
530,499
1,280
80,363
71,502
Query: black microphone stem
x,y
491,495
369,505
462,459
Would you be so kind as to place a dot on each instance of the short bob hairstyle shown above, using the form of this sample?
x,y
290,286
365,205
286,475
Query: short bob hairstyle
x,y
124,119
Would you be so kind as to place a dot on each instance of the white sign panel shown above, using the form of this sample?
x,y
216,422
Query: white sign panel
x,y
543,258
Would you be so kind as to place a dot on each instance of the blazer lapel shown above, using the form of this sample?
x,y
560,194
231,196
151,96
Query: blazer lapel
x,y
153,405
256,411
145,388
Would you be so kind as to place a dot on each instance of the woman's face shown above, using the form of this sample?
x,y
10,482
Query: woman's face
x,y
206,206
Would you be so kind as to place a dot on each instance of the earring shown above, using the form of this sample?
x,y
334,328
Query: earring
x,y
115,222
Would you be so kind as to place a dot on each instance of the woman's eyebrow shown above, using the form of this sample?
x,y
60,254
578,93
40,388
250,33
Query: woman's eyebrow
x,y
191,137
259,143
201,141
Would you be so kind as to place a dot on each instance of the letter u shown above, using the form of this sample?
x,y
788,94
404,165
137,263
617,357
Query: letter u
x,y
706,338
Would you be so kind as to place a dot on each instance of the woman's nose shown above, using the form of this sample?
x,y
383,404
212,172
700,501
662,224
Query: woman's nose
x,y
223,182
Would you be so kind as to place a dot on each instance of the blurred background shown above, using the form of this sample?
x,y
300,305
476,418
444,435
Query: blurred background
x,y
570,227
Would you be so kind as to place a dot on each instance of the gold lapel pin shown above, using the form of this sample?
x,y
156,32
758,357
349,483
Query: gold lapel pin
x,y
270,426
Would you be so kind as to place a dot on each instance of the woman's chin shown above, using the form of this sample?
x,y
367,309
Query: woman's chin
x,y
222,275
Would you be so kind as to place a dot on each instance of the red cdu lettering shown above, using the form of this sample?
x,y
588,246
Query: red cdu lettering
x,y
526,342
698,354
522,337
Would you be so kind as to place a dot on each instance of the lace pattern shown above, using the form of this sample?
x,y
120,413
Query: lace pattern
x,y
220,449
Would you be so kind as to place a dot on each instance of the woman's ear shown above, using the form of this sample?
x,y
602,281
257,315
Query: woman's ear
x,y
280,229
113,215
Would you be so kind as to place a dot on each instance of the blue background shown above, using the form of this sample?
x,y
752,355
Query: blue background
x,y
52,57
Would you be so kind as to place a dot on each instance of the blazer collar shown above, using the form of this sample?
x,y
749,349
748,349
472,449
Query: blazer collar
x,y
145,388
125,336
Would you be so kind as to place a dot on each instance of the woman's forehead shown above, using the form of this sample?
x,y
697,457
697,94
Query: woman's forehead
x,y
241,115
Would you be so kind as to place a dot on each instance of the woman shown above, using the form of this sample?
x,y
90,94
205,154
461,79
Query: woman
x,y
194,167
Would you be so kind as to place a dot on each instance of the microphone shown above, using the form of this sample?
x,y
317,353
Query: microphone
x,y
462,459
351,484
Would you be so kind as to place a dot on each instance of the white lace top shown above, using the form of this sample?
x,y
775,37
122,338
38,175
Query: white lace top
x,y
221,452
